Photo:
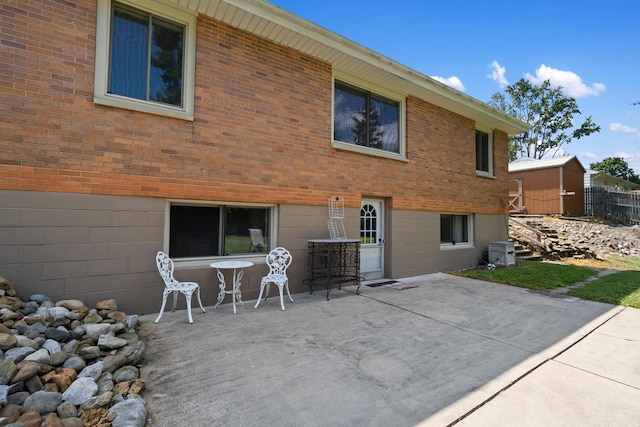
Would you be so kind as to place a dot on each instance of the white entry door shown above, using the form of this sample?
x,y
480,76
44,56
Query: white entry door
x,y
372,239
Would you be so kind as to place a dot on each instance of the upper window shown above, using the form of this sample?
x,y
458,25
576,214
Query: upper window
x,y
213,230
455,229
367,121
144,57
484,157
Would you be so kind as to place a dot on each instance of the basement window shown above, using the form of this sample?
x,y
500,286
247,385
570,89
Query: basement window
x,y
455,230
197,230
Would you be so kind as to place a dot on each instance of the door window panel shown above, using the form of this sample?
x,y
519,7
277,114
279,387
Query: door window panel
x,y
368,225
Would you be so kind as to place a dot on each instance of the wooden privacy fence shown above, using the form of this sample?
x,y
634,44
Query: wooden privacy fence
x,y
614,205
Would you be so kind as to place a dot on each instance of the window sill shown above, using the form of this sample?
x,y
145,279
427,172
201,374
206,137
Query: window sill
x,y
191,263
145,107
368,151
450,247
484,174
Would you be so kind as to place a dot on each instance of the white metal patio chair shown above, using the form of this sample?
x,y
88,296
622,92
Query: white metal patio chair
x,y
278,260
165,267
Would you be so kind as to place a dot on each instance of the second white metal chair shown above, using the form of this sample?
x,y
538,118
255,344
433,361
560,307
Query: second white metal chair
x,y
278,260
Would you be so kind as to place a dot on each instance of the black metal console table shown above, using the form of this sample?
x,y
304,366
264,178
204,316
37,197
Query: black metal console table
x,y
333,262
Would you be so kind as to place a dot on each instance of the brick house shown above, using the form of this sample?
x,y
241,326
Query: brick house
x,y
132,126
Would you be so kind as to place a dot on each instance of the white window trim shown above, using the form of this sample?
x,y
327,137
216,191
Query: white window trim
x,y
470,232
103,37
363,84
489,132
258,258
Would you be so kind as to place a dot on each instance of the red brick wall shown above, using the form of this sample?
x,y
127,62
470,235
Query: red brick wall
x,y
262,128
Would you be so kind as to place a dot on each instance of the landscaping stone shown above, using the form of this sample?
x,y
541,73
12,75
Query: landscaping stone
x,y
65,365
43,402
80,390
580,238
130,413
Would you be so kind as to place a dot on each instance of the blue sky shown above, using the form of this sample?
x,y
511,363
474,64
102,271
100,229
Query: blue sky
x,y
592,51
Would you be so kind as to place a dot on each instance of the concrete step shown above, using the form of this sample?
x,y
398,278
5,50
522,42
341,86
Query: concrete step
x,y
523,252
532,257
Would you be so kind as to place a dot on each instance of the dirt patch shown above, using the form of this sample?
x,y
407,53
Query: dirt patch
x,y
594,263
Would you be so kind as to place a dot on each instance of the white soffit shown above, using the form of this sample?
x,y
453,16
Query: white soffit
x,y
280,26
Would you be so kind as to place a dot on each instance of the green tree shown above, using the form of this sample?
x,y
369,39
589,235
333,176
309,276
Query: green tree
x,y
166,60
550,113
616,166
366,130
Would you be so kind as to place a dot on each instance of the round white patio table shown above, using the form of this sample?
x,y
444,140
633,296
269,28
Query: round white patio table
x,y
237,267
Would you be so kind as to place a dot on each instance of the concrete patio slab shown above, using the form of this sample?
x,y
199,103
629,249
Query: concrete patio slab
x,y
441,353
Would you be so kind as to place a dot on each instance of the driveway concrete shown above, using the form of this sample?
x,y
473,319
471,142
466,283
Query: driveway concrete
x,y
450,351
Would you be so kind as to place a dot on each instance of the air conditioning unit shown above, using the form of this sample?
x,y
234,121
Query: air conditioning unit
x,y
502,253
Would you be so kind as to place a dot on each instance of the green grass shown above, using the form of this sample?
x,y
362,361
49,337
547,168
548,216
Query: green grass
x,y
621,288
241,245
532,275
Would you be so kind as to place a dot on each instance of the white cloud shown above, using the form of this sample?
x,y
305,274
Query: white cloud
x,y
497,74
452,81
571,83
619,127
623,155
589,155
